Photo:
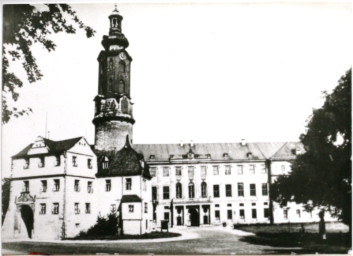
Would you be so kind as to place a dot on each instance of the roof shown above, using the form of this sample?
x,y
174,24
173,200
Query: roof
x,y
288,151
216,151
125,162
131,199
55,147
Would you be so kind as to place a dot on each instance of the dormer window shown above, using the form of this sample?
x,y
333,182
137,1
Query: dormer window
x,y
226,156
57,161
74,161
249,155
152,157
26,166
41,162
208,156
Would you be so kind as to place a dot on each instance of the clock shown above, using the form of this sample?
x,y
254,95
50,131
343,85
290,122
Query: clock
x,y
122,55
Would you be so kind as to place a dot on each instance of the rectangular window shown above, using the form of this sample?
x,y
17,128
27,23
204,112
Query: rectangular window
x,y
203,171
240,189
55,208
228,190
166,192
166,171
191,171
77,208
228,170
26,186
77,186
131,208
242,214
166,216
253,213
266,212
113,207
239,169
154,193
41,162
146,208
56,185
215,190
89,163
252,189
43,209
88,208
285,213
217,215
57,161
264,189
108,185
128,183
44,186
178,171
153,171
229,214
89,187
263,169
74,161
252,169
283,169
298,213
215,170
26,166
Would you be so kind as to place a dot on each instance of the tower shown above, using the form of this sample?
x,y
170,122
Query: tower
x,y
113,118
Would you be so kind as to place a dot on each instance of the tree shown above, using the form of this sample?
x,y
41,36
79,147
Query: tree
x,y
5,197
321,176
23,26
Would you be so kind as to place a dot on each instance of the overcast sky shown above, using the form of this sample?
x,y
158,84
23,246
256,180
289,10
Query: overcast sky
x,y
202,72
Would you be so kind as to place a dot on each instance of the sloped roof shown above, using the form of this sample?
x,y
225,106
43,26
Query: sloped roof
x,y
288,151
235,151
55,147
131,199
125,162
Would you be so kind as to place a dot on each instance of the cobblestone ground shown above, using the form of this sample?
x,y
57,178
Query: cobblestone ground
x,y
211,240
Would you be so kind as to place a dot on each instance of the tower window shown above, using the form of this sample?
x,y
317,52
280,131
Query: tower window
x,y
122,66
121,86
114,23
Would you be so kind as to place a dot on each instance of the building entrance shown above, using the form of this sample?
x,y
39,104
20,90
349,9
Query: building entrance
x,y
194,216
27,217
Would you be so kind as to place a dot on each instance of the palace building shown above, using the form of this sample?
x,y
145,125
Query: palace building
x,y
58,188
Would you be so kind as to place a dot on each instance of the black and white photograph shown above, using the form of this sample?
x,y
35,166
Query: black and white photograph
x,y
176,128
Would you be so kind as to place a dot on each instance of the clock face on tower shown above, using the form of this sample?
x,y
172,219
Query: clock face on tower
x,y
122,55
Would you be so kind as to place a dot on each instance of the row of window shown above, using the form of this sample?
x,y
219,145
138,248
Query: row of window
x,y
55,208
131,208
56,186
204,193
57,162
128,184
215,170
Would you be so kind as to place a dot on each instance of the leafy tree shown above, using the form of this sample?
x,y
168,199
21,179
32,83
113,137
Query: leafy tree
x,y
23,26
5,197
321,177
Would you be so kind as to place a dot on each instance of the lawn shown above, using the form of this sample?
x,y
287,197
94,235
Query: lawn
x,y
152,235
291,235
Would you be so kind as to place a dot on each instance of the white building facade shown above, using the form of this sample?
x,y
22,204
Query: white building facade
x,y
59,188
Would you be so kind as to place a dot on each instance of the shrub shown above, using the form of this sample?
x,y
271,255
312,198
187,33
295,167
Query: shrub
x,y
105,226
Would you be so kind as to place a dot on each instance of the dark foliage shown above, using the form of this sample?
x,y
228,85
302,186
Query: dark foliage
x,y
321,177
23,26
105,226
5,197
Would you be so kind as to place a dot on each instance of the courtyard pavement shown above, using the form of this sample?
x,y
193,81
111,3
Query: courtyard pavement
x,y
200,240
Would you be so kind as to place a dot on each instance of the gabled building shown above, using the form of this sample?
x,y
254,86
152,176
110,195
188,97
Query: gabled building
x,y
59,188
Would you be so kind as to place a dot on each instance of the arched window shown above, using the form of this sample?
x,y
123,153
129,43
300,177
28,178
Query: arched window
x,y
114,22
124,106
111,64
122,66
105,163
191,190
121,87
110,84
179,191
203,189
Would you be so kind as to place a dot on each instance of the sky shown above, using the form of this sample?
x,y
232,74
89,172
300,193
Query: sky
x,y
205,72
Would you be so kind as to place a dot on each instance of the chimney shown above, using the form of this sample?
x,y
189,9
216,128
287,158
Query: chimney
x,y
181,143
243,142
191,143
